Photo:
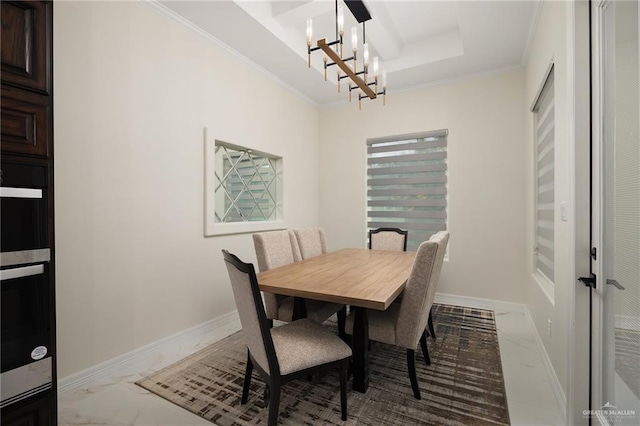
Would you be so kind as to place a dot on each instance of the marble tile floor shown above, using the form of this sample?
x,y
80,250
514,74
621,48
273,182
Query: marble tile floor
x,y
116,400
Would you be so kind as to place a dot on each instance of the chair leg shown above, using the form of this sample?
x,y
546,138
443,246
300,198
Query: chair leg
x,y
432,331
411,366
247,379
425,349
344,367
266,395
342,319
275,403
270,322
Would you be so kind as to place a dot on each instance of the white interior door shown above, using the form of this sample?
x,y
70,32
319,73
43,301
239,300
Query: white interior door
x,y
618,215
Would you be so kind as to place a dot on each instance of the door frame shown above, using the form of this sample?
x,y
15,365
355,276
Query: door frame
x,y
597,146
579,74
597,11
598,111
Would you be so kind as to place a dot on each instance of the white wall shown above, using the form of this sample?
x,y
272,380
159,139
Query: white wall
x,y
133,92
487,176
550,45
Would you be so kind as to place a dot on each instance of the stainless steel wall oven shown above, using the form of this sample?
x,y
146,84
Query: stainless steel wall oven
x,y
25,296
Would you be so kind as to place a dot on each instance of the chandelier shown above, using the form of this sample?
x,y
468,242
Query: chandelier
x,y
366,81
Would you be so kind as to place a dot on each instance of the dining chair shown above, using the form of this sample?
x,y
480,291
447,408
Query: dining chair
x,y
388,239
281,354
437,235
403,324
313,242
395,239
279,248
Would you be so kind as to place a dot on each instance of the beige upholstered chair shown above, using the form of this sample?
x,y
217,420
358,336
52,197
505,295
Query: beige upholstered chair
x,y
391,239
273,249
285,353
388,239
279,248
403,324
312,242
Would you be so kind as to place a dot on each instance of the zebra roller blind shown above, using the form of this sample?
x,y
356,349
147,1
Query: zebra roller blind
x,y
545,179
407,184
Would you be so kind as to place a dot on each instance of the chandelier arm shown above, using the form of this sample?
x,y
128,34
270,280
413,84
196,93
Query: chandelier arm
x,y
329,64
313,49
357,80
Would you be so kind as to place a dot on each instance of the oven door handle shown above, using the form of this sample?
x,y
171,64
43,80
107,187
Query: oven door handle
x,y
11,192
25,271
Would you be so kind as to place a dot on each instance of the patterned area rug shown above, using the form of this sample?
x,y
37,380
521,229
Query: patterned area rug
x,y
462,386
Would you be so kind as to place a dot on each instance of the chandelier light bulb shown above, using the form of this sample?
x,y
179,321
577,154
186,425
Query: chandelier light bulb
x,y
341,20
365,49
309,31
375,67
354,39
384,79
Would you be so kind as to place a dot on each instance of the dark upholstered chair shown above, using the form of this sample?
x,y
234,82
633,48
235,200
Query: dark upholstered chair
x,y
279,248
281,354
388,239
403,324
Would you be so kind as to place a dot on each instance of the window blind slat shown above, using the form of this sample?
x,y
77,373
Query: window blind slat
x,y
436,190
436,143
404,169
409,203
406,181
443,133
435,227
408,214
394,159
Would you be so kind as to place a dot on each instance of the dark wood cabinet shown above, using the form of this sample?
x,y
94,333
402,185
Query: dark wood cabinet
x,y
26,44
27,101
26,120
26,112
34,411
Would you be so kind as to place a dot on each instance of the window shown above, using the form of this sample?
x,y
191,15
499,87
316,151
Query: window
x,y
544,146
407,184
243,189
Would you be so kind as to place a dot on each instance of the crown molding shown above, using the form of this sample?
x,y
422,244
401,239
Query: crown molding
x,y
180,20
532,31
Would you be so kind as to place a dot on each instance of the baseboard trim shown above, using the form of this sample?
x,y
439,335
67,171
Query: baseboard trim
x,y
219,327
558,393
478,302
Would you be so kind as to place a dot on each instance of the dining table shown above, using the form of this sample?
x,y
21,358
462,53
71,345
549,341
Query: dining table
x,y
360,278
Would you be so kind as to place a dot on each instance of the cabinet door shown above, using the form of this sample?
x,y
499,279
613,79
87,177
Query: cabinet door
x,y
26,58
36,411
25,122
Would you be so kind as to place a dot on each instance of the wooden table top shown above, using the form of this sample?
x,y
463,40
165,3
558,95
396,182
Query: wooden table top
x,y
359,277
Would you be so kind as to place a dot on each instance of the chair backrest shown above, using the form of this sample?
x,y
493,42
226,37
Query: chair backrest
x,y
420,290
253,319
276,248
388,239
312,242
273,249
